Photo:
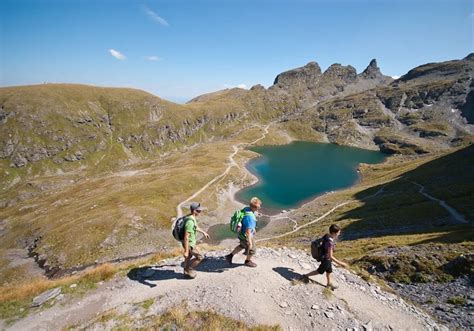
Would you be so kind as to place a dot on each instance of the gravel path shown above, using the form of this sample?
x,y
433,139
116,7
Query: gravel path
x,y
265,294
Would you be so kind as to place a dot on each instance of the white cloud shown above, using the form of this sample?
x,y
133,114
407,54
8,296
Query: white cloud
x,y
244,86
153,58
117,54
395,77
154,16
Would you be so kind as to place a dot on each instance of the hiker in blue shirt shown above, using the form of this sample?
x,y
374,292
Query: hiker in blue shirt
x,y
247,233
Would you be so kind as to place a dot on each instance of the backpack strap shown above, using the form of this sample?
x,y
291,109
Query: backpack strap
x,y
325,240
247,212
186,220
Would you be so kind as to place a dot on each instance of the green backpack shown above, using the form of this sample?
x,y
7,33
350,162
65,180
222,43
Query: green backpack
x,y
236,220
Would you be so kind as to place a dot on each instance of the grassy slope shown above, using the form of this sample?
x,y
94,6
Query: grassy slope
x,y
121,124
130,208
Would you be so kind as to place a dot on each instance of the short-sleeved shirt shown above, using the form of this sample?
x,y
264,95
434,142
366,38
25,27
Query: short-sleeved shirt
x,y
328,244
190,226
248,222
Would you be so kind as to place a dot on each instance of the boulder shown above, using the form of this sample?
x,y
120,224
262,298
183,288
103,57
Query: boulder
x,y
45,296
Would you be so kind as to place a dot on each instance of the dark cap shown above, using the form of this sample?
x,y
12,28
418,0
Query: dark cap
x,y
195,206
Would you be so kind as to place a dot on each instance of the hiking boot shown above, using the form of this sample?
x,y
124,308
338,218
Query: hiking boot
x,y
228,258
250,264
189,273
332,287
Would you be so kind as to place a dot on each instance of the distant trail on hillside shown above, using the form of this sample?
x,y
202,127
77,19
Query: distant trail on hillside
x,y
232,163
297,228
453,212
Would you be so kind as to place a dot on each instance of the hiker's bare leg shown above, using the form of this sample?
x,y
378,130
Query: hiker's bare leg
x,y
250,249
312,273
328,277
197,258
187,263
195,262
236,250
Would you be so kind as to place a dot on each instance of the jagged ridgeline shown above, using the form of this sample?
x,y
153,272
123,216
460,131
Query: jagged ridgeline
x,y
70,155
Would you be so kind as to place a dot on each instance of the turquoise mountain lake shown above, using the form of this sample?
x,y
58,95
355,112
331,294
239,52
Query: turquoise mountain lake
x,y
291,174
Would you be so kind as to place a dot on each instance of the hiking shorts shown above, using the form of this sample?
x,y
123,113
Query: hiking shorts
x,y
244,245
325,266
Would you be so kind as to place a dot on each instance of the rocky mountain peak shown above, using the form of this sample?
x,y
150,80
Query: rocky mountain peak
x,y
257,87
470,57
308,73
372,71
338,71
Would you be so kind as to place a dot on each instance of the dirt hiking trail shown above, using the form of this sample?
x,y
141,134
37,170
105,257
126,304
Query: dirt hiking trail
x,y
264,295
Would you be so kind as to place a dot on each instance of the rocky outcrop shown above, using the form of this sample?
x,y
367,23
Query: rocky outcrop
x,y
308,85
257,87
372,71
303,77
467,109
338,72
437,282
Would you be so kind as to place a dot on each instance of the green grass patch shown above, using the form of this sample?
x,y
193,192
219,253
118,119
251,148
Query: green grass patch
x,y
148,303
457,300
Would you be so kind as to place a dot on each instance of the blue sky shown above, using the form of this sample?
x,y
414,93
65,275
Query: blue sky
x,y
180,49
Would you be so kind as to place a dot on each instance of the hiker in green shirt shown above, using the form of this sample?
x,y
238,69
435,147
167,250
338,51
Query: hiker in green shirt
x,y
189,241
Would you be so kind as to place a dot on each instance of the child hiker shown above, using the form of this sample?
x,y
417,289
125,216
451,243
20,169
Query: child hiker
x,y
328,256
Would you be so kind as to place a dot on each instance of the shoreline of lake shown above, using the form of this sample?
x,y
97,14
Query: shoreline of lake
x,y
222,230
272,211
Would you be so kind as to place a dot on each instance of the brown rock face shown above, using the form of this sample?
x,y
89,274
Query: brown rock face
x,y
303,76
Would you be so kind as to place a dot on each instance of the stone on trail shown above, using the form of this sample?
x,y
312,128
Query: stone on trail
x,y
328,314
315,307
45,296
368,326
283,304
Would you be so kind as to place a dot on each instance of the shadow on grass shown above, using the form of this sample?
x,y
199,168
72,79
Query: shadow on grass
x,y
402,210
148,274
